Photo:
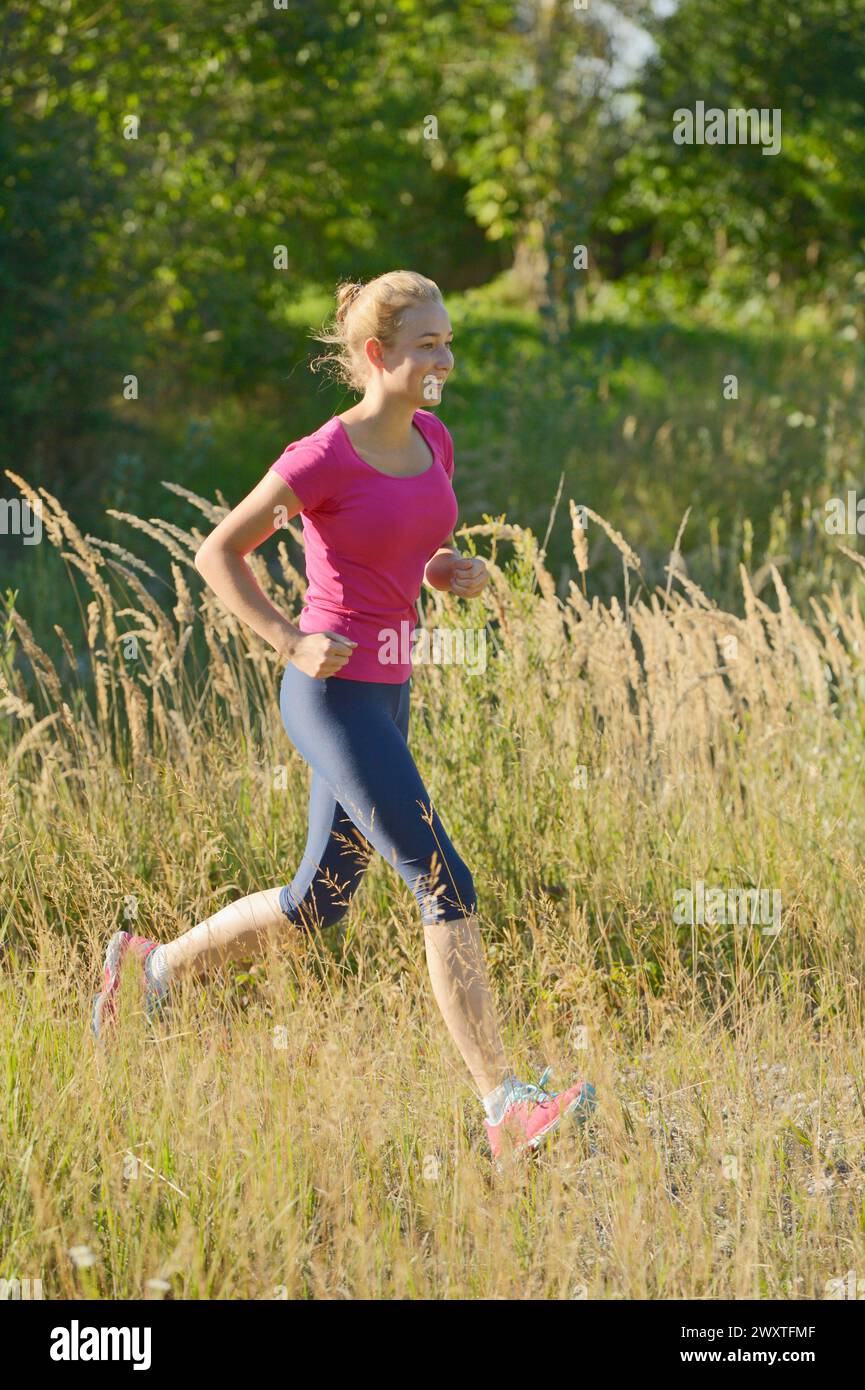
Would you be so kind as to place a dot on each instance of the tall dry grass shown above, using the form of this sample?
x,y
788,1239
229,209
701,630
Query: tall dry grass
x,y
304,1126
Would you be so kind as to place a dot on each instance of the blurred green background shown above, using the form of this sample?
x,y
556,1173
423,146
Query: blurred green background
x,y
304,127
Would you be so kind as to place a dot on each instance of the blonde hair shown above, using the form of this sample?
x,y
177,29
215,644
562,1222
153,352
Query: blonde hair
x,y
372,310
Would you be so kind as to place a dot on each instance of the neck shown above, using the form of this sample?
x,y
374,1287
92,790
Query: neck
x,y
389,419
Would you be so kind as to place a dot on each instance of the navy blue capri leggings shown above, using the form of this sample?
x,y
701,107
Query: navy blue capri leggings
x,y
365,793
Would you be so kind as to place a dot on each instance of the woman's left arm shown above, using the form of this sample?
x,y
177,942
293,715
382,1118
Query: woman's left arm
x,y
468,573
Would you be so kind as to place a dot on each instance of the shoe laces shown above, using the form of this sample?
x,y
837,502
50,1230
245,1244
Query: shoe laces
x,y
534,1091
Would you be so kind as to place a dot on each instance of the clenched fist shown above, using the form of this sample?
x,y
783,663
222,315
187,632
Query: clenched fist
x,y
457,574
470,577
319,654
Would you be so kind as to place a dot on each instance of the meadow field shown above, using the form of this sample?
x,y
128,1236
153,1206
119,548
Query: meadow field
x,y
302,1126
644,737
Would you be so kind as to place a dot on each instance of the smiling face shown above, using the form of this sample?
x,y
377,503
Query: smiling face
x,y
419,359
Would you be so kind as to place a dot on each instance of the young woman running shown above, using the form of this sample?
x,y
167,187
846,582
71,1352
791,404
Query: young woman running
x,y
378,511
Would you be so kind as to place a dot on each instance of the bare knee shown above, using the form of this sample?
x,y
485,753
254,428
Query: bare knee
x,y
451,901
315,911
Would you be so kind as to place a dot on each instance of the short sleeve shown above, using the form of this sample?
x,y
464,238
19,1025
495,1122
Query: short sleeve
x,y
448,454
306,467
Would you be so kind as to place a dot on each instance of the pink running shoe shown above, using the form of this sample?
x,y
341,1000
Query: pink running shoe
x,y
536,1112
105,1004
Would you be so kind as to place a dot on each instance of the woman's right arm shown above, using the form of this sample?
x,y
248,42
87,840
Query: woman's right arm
x,y
220,561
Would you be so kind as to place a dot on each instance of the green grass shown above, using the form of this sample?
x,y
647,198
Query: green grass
x,y
302,1126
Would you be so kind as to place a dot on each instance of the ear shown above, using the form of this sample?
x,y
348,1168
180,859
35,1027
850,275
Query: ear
x,y
372,348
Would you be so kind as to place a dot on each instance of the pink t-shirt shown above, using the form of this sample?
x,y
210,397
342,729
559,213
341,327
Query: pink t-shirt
x,y
368,538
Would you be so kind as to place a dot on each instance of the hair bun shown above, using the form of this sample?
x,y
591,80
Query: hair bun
x,y
346,295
